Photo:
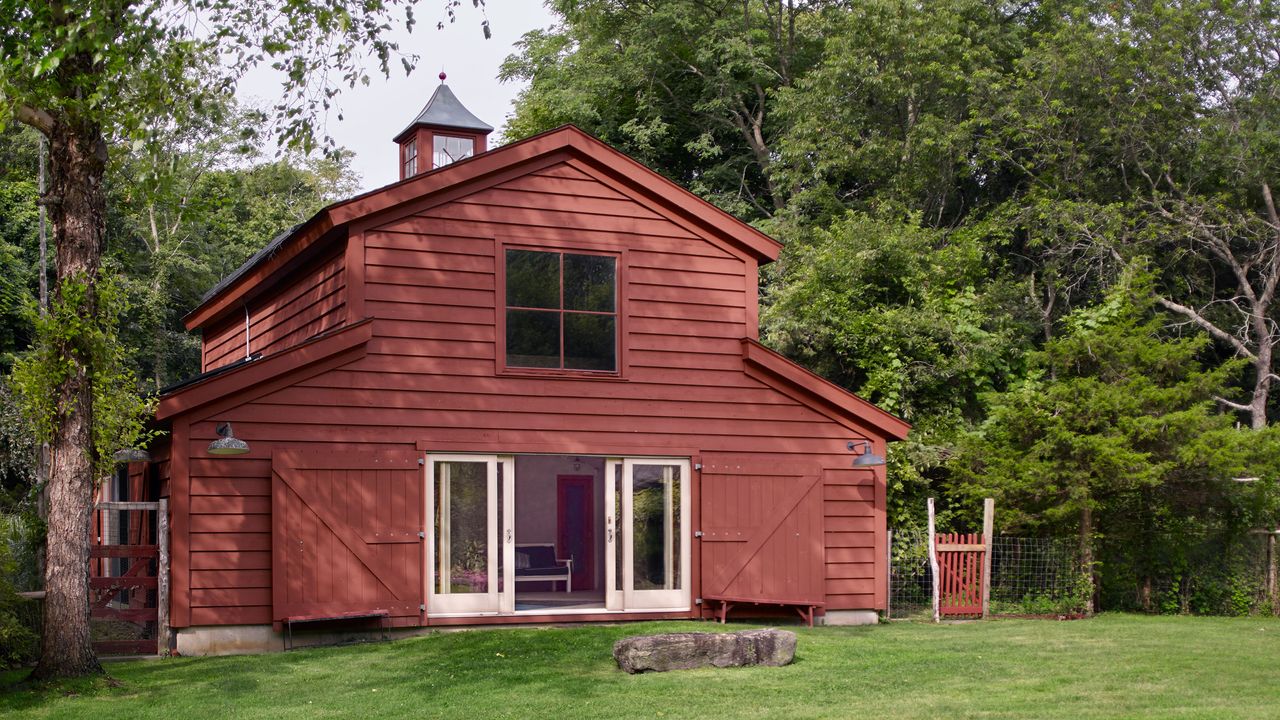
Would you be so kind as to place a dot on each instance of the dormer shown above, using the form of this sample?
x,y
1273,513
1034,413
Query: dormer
x,y
444,132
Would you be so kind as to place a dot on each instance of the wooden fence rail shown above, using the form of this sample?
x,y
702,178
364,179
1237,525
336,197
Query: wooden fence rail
x,y
146,547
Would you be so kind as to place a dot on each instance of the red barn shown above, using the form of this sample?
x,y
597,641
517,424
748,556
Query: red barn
x,y
521,385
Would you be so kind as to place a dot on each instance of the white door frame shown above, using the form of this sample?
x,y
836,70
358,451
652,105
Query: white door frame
x,y
667,598
613,593
500,533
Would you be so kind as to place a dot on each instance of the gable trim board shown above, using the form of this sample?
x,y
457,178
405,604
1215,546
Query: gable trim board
x,y
240,380
457,177
815,391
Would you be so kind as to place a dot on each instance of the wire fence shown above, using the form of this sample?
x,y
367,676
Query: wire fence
x,y
1029,576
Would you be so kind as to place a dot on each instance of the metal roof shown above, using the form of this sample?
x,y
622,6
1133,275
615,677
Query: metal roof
x,y
444,109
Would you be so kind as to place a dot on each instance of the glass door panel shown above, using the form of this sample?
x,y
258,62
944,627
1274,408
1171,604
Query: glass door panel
x,y
656,554
465,552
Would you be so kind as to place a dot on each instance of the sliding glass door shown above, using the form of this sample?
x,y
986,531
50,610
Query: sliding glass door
x,y
647,533
471,546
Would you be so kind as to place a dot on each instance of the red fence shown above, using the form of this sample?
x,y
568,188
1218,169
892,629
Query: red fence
x,y
961,561
128,592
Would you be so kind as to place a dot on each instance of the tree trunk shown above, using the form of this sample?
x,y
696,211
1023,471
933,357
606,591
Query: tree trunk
x,y
1261,385
77,204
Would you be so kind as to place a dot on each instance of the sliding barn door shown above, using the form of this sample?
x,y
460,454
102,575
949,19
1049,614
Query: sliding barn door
x,y
762,530
347,534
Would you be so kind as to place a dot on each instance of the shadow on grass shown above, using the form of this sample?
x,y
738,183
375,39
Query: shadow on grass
x,y
475,673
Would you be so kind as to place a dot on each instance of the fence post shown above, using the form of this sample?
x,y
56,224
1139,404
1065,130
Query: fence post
x,y
933,561
888,576
1271,571
162,581
988,526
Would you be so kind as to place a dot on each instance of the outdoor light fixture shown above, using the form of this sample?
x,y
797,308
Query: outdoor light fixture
x,y
867,458
227,443
131,455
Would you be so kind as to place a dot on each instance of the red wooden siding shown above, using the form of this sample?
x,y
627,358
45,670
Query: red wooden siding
x,y
854,511
346,534
762,530
426,379
309,304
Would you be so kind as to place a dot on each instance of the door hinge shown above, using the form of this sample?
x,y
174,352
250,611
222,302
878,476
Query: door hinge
x,y
697,466
697,601
422,535
697,533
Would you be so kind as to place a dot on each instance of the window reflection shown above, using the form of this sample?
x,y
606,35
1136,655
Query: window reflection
x,y
561,310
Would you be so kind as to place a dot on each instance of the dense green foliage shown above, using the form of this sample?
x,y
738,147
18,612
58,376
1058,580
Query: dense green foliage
x,y
1111,666
966,191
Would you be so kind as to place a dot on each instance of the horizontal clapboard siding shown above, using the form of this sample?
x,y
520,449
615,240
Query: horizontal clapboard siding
x,y
428,378
309,304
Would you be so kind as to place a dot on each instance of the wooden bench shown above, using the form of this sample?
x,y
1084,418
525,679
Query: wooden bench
x,y
540,564
805,608
289,622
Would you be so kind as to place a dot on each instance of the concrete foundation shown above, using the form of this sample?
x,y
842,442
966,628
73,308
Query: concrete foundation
x,y
851,617
254,639
228,640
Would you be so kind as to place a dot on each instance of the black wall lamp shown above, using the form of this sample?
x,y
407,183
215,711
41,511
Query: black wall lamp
x,y
227,443
867,458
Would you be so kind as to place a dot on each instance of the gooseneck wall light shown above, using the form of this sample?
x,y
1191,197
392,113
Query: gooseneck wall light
x,y
227,443
867,458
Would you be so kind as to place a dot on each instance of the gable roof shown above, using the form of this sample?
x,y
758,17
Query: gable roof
x,y
566,141
816,392
445,110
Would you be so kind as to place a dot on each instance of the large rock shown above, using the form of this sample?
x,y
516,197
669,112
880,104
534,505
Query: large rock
x,y
682,651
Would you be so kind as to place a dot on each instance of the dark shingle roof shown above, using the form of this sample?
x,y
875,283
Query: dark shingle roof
x,y
265,252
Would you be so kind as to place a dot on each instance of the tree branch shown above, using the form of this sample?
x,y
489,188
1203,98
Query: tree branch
x,y
36,118
1233,405
1209,327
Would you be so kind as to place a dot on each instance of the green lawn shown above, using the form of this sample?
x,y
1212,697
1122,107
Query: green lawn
x,y
1111,666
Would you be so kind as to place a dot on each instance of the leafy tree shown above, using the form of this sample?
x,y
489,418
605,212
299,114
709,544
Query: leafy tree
x,y
894,312
1149,129
91,74
686,87
889,111
1114,416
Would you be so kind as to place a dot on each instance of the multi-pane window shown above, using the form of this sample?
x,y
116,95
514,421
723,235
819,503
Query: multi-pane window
x,y
452,149
561,311
410,159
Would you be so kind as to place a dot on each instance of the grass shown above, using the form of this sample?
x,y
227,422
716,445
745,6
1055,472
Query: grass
x,y
1113,666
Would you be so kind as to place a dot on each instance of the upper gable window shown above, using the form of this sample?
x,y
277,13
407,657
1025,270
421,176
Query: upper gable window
x,y
561,310
452,149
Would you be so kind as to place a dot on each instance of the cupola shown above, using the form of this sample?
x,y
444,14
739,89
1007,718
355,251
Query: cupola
x,y
444,132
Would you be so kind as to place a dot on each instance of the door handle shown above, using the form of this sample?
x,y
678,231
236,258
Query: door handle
x,y
508,535
609,537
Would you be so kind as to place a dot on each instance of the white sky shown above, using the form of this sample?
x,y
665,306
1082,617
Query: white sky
x,y
373,115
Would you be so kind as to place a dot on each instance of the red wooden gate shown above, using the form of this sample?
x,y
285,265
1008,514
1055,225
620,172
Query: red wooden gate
x,y
347,535
125,594
762,531
961,559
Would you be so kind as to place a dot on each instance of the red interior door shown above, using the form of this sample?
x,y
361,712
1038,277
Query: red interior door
x,y
575,527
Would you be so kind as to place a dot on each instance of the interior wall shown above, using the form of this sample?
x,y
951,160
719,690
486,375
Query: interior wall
x,y
536,498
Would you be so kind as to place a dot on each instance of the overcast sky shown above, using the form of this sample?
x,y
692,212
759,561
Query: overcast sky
x,y
373,115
